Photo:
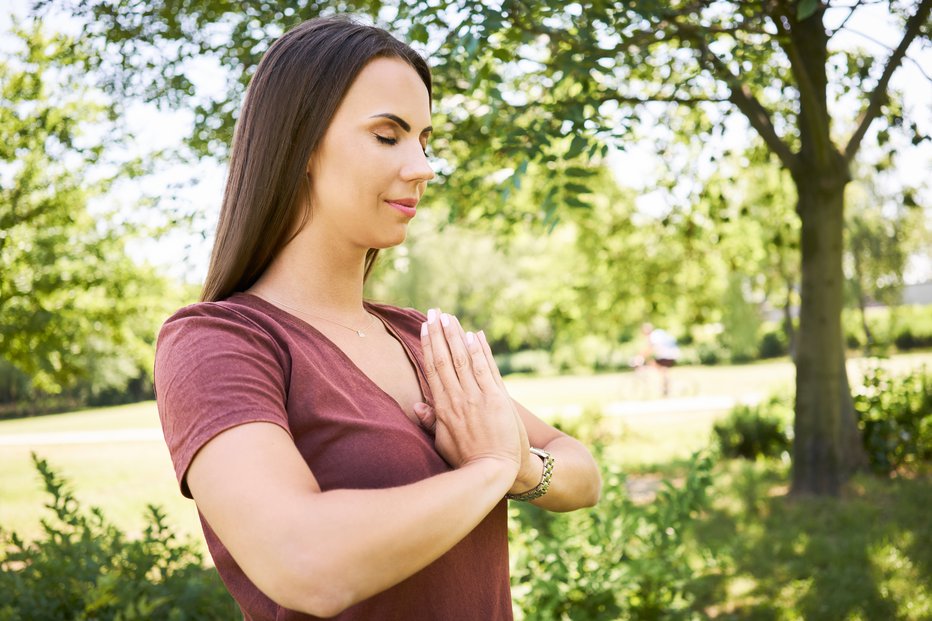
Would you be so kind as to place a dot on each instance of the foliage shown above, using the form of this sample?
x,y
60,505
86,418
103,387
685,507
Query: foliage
x,y
905,327
895,418
741,321
882,232
617,560
752,431
85,568
773,344
76,309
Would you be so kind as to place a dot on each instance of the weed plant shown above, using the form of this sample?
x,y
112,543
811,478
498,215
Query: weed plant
x,y
86,568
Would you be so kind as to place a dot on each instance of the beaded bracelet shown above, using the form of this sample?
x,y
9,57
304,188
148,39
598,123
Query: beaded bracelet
x,y
544,484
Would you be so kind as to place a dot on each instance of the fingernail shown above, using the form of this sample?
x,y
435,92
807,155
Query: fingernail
x,y
470,338
482,336
424,329
431,315
445,320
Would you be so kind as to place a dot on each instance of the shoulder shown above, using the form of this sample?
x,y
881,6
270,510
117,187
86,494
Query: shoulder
x,y
202,331
235,317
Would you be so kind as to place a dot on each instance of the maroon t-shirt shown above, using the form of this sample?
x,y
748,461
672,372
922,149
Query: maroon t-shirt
x,y
222,364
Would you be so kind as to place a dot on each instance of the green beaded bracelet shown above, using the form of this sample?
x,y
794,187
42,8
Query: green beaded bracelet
x,y
544,484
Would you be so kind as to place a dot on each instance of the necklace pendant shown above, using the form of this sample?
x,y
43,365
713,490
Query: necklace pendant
x,y
360,333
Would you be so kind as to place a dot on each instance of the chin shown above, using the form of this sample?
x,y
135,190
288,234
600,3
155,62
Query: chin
x,y
390,241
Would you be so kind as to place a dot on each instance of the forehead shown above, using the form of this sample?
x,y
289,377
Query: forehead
x,y
388,85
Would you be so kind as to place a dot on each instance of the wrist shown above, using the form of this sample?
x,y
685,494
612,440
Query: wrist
x,y
542,485
494,469
530,474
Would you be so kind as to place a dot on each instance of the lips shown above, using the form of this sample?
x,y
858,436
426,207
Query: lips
x,y
407,206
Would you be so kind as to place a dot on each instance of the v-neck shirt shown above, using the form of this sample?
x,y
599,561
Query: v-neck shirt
x,y
223,364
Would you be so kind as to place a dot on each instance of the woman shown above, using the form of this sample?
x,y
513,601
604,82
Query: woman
x,y
347,458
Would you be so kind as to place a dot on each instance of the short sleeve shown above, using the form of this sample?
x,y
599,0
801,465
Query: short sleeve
x,y
215,369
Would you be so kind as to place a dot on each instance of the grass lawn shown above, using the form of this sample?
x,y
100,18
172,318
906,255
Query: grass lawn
x,y
865,556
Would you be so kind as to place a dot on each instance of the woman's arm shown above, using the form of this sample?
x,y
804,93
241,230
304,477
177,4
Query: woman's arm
x,y
321,552
575,482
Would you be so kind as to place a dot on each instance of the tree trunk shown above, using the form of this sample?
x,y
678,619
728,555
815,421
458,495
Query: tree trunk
x,y
862,301
788,328
827,446
868,337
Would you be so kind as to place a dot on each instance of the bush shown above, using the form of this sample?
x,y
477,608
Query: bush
x,y
895,418
907,339
709,353
85,568
752,431
773,344
618,560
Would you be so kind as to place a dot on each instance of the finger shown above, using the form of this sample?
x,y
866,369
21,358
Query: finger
x,y
440,350
425,416
456,341
478,362
427,351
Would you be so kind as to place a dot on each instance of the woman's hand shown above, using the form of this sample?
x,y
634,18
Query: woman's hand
x,y
473,417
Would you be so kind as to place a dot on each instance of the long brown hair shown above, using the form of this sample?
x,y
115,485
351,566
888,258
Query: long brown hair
x,y
289,104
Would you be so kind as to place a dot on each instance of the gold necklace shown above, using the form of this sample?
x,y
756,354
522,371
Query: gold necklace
x,y
359,331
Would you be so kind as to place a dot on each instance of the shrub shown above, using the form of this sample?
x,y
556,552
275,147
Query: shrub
x,y
618,560
709,353
895,418
906,339
529,361
752,431
773,344
86,568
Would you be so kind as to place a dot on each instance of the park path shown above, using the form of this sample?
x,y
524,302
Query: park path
x,y
620,409
145,434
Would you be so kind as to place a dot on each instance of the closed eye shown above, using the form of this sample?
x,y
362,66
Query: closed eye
x,y
393,141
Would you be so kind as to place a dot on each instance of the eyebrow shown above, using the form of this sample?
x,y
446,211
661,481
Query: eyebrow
x,y
401,122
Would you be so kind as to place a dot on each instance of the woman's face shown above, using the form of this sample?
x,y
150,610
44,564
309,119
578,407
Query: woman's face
x,y
370,169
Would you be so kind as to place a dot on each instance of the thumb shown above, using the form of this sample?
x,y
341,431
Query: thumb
x,y
425,415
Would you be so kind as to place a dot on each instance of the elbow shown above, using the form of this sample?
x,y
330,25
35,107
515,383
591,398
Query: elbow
x,y
595,490
311,592
591,492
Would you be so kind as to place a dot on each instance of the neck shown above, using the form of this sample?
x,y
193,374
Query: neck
x,y
316,277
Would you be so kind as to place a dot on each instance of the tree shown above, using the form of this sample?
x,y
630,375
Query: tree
x,y
553,83
75,308
750,200
882,231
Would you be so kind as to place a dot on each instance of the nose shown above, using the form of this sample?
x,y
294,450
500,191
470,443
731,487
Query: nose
x,y
416,166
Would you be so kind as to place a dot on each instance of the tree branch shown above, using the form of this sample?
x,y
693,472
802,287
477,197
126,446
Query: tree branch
x,y
890,49
847,17
759,118
746,102
689,101
879,95
812,103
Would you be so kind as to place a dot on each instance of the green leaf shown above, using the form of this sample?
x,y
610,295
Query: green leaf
x,y
576,147
577,188
806,8
577,171
574,202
